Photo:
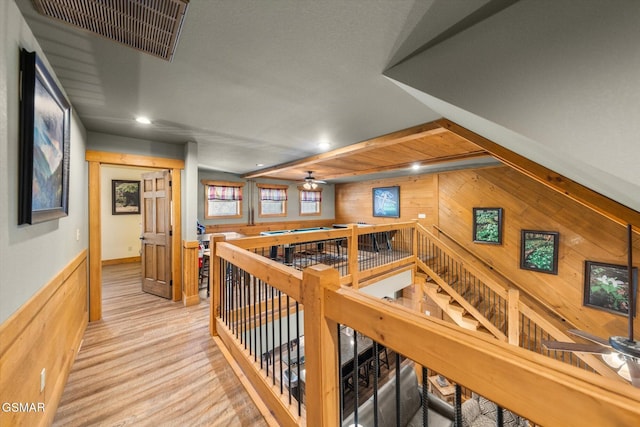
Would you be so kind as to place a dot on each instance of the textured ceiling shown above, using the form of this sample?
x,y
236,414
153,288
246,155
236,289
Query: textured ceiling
x,y
257,81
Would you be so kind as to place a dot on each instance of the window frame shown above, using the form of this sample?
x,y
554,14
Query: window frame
x,y
284,202
319,202
210,183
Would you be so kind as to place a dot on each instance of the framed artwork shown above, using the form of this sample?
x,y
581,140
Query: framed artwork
x,y
539,251
125,197
487,225
386,202
606,287
45,116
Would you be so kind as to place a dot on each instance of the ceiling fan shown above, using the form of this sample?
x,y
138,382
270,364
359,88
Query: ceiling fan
x,y
620,353
310,182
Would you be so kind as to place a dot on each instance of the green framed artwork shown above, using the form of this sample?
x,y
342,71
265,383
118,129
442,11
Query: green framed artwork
x,y
487,225
539,251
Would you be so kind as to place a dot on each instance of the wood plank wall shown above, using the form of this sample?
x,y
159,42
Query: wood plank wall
x,y
46,332
418,194
448,199
256,229
584,235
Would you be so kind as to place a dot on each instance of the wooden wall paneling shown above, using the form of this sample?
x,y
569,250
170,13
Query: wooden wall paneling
x,y
528,204
256,229
45,333
176,228
417,195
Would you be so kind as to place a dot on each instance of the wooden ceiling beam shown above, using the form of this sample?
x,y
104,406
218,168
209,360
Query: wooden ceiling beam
x,y
438,160
420,131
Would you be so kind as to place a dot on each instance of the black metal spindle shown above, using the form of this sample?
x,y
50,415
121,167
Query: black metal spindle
x,y
397,389
298,356
425,397
457,402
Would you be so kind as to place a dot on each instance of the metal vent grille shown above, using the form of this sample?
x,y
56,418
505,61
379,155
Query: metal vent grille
x,y
150,26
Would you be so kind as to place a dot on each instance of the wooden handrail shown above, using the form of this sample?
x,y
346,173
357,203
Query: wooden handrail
x,y
463,302
521,307
538,388
478,272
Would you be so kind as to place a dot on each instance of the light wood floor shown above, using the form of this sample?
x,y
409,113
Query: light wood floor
x,y
151,361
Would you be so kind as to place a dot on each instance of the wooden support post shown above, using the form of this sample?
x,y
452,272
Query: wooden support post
x,y
321,383
352,248
95,245
191,277
215,279
513,316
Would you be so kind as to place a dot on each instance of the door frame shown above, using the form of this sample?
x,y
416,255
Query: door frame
x,y
96,159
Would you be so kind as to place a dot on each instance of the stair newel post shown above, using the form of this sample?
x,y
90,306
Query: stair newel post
x,y
352,248
513,316
215,279
321,380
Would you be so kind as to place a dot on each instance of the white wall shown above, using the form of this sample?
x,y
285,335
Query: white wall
x,y
554,80
120,233
31,255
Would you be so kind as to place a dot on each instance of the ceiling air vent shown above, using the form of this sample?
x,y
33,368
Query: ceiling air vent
x,y
151,26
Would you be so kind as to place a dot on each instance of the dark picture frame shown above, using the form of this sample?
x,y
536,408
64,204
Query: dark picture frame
x,y
386,202
539,251
45,118
125,197
606,287
487,225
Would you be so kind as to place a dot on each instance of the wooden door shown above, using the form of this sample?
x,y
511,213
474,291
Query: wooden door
x,y
156,233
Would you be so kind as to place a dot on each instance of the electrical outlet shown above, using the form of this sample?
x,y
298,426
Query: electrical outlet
x,y
422,216
77,234
43,379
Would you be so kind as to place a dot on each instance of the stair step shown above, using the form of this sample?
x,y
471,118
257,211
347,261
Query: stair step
x,y
443,297
457,309
430,286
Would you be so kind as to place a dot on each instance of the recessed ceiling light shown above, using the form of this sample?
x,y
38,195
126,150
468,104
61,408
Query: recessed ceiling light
x,y
259,164
324,145
415,167
143,120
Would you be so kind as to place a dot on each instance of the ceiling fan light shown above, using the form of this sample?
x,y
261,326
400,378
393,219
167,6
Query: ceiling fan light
x,y
614,359
307,186
314,185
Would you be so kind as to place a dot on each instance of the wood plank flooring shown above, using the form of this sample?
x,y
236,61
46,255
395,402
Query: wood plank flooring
x,y
151,361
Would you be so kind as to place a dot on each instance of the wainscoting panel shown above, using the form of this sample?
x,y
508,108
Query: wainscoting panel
x,y
44,334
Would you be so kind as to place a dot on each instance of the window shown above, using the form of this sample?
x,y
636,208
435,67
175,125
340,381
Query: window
x,y
310,202
222,199
273,199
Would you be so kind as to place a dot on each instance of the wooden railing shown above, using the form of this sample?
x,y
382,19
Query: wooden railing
x,y
252,293
495,302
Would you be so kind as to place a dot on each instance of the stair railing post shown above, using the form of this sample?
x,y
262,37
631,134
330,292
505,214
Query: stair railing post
x,y
513,301
215,280
352,249
322,389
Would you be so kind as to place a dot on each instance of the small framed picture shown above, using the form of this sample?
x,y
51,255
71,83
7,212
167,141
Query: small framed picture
x,y
125,197
487,225
386,202
539,251
606,287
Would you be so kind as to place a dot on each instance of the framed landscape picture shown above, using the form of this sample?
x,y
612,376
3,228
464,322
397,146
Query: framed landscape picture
x,y
539,251
45,117
606,287
386,202
125,197
487,225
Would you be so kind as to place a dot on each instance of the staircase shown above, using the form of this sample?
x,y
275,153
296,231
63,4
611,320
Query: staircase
x,y
473,298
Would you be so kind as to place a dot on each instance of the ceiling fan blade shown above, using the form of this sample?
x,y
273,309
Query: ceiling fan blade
x,y
634,371
590,337
575,347
319,181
